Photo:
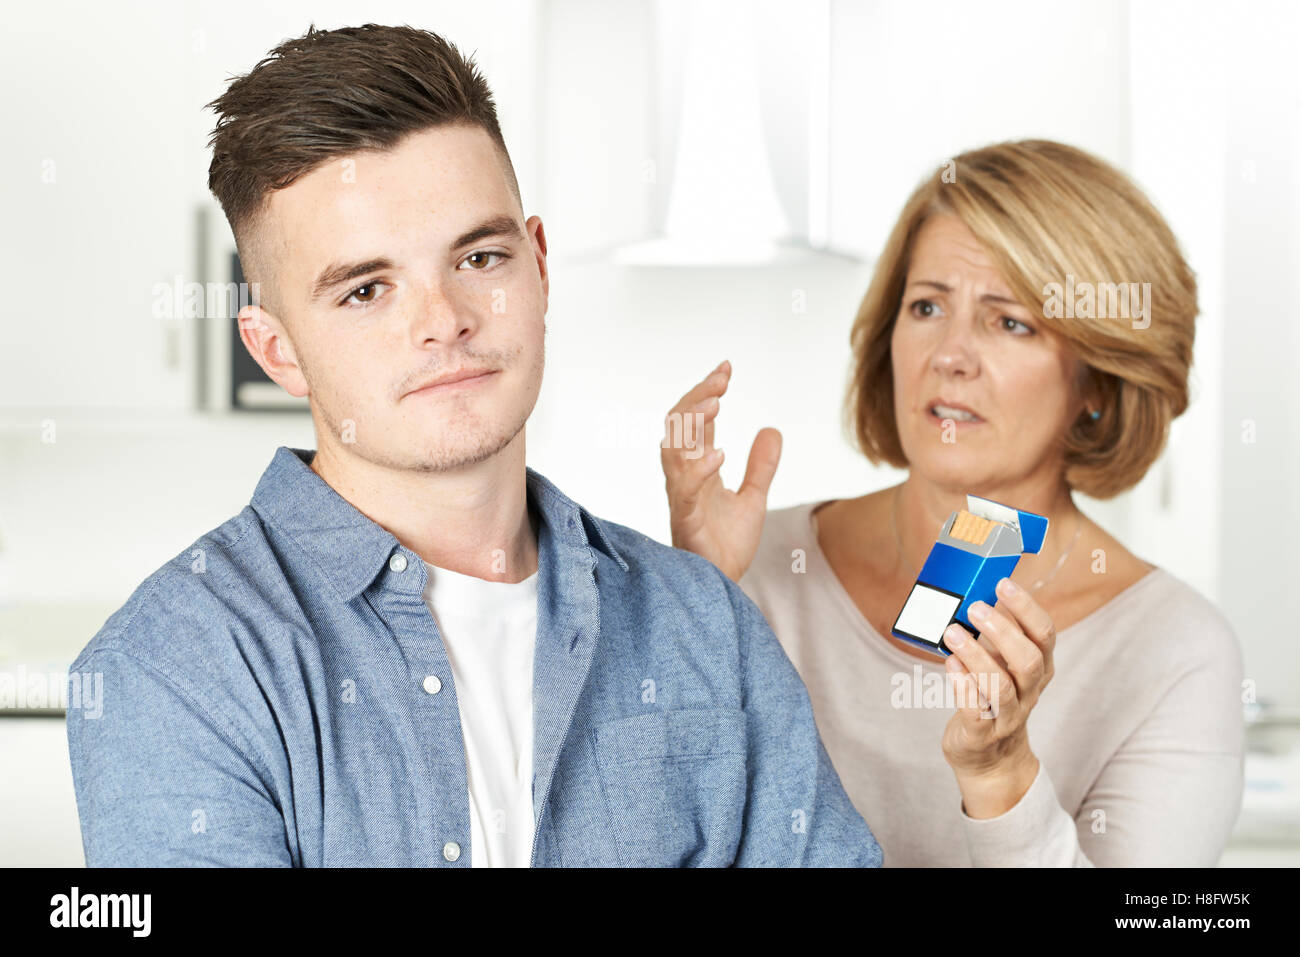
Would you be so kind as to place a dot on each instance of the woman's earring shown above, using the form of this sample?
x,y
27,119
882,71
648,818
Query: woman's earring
x,y
1096,414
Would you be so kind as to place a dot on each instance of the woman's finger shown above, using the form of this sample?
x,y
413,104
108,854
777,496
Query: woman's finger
x,y
714,385
764,456
689,434
1021,657
1032,617
971,704
687,482
688,426
995,685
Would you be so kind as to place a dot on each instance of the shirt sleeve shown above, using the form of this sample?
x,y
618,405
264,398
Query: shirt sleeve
x,y
797,813
160,779
1168,797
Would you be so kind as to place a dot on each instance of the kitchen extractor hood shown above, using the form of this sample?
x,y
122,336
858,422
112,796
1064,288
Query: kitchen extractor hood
x,y
743,135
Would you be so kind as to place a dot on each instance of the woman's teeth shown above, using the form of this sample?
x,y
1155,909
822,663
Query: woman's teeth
x,y
961,415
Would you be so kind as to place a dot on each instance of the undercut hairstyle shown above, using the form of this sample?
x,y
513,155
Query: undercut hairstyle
x,y
330,93
1048,213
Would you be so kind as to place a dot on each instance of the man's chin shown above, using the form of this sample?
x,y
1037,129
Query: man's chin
x,y
447,453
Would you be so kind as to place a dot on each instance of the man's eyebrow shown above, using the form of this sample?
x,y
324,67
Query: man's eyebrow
x,y
987,297
339,273
504,226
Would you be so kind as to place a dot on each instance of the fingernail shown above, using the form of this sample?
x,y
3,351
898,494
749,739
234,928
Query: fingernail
x,y
955,636
979,611
1007,588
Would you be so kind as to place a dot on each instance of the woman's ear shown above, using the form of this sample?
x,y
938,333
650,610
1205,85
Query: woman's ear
x,y
1092,392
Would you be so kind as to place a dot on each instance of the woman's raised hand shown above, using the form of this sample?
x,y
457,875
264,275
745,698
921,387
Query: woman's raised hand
x,y
707,519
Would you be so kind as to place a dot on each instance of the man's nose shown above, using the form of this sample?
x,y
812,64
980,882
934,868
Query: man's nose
x,y
444,314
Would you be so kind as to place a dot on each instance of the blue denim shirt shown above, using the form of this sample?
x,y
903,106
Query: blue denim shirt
x,y
264,703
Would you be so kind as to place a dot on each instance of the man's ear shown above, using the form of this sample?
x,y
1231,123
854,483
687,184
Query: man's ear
x,y
267,342
537,235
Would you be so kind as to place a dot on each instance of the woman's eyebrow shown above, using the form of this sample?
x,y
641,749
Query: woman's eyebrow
x,y
929,282
987,297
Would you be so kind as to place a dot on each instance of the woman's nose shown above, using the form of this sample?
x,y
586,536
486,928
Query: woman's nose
x,y
955,353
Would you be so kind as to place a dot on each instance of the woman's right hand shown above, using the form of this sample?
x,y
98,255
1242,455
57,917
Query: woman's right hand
x,y
707,519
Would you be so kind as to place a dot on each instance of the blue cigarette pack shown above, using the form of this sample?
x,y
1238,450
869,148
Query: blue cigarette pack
x,y
977,547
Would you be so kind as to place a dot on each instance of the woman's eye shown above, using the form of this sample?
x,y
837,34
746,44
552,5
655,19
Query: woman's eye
x,y
363,295
924,308
1014,325
482,260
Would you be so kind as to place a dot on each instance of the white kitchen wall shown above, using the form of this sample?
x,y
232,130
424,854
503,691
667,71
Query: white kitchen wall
x,y
102,188
106,165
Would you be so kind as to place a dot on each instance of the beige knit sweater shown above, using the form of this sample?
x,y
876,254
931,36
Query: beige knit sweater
x,y
1139,735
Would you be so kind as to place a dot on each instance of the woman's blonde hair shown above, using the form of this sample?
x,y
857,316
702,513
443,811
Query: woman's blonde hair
x,y
1051,214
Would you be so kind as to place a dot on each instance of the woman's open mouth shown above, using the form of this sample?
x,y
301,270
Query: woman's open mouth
x,y
942,413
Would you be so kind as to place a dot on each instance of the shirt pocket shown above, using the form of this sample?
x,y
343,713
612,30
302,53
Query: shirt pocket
x,y
674,785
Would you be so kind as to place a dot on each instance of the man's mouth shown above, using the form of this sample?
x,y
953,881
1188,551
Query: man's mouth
x,y
454,382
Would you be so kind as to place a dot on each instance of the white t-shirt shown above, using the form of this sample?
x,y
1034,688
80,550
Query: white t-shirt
x,y
490,631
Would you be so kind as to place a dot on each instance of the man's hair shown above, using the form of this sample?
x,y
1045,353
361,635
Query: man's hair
x,y
329,93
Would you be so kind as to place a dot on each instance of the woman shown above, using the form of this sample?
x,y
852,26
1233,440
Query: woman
x,y
970,372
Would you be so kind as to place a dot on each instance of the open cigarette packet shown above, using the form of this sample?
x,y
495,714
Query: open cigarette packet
x,y
978,546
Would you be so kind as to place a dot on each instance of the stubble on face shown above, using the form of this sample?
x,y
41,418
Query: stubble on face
x,y
465,438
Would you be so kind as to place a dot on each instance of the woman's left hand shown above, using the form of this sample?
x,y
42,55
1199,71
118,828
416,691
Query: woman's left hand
x,y
996,681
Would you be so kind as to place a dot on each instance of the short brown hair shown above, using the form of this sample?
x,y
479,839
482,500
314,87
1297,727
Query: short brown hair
x,y
1044,211
329,93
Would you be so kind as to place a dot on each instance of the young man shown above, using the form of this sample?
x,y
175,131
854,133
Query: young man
x,y
411,649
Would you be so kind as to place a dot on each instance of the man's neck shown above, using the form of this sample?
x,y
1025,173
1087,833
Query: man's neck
x,y
473,520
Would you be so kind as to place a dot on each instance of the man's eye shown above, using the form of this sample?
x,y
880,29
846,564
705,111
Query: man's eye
x,y
924,308
363,295
482,259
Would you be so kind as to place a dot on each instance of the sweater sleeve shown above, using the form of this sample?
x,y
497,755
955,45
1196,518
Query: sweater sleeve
x,y
1168,797
1036,832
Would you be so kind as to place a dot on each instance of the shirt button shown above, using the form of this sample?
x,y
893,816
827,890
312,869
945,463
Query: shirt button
x,y
432,684
451,851
398,562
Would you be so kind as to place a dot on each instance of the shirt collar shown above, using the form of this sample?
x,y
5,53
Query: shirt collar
x,y
349,549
